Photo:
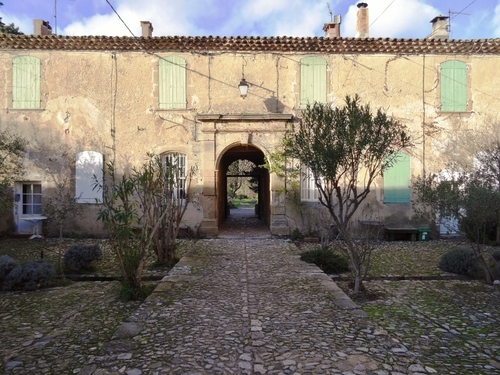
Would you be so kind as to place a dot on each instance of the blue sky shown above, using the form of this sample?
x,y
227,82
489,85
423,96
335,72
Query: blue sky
x,y
388,18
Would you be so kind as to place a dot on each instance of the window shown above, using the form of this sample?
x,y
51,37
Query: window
x,y
32,199
172,83
176,168
88,171
397,180
308,190
312,80
453,86
26,82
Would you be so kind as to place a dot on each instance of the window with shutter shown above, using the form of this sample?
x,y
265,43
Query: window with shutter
x,y
26,82
453,86
397,180
312,80
88,171
172,82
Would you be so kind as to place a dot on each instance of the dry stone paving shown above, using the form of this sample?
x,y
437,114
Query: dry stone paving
x,y
53,331
246,304
454,325
251,307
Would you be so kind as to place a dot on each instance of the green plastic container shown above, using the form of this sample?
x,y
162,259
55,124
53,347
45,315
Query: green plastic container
x,y
424,234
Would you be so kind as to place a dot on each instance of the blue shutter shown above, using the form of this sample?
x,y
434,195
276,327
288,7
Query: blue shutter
x,y
26,82
397,180
312,80
172,82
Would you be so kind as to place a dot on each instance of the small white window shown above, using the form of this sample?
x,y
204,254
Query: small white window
x,y
32,199
88,171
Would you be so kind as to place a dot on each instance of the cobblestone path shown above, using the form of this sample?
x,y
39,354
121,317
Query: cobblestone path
x,y
250,306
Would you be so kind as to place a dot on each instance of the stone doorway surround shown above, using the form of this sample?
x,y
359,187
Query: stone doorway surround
x,y
231,137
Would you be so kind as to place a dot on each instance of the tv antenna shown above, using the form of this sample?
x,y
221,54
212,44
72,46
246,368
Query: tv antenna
x,y
452,14
330,11
55,16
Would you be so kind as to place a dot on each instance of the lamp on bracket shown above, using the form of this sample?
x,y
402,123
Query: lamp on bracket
x,y
243,87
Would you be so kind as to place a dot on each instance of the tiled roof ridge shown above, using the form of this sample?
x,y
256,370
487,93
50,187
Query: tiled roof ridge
x,y
250,44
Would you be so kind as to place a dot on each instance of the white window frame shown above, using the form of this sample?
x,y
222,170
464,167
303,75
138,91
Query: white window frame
x,y
308,190
179,160
28,199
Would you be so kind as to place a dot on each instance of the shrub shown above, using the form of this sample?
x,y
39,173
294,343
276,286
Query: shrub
x,y
79,257
296,235
30,276
326,259
496,255
461,261
7,264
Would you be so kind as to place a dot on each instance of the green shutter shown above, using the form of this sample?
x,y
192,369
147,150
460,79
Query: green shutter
x,y
312,80
172,82
453,86
26,82
397,181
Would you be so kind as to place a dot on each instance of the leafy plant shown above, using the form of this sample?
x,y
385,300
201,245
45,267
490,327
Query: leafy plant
x,y
12,148
143,211
80,257
296,235
326,259
461,261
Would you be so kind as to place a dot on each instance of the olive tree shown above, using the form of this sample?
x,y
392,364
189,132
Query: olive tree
x,y
12,149
142,211
345,149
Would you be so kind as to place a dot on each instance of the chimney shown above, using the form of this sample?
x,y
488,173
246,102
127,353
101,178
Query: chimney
x,y
41,27
362,22
147,28
440,28
332,29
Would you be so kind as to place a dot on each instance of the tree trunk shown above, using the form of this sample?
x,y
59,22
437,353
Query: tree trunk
x,y
479,256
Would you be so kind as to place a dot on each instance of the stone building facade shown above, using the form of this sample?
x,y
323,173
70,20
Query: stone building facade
x,y
82,101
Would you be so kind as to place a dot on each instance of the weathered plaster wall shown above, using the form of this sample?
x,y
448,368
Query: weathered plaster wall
x,y
108,102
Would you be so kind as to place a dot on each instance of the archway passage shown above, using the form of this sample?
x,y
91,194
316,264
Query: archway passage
x,y
256,156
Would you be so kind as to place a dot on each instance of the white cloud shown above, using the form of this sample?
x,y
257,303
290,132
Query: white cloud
x,y
171,20
409,18
302,18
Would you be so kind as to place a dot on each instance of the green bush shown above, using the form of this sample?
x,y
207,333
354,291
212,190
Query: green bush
x,y
461,261
30,276
326,259
79,257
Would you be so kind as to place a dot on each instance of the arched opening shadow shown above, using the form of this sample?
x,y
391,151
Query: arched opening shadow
x,y
246,221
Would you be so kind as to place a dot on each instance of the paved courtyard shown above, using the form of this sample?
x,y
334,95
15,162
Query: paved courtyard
x,y
240,304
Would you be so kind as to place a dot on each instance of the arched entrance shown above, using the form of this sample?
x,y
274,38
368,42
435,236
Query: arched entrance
x,y
256,156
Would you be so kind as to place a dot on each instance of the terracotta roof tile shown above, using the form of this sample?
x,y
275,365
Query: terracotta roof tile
x,y
250,44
